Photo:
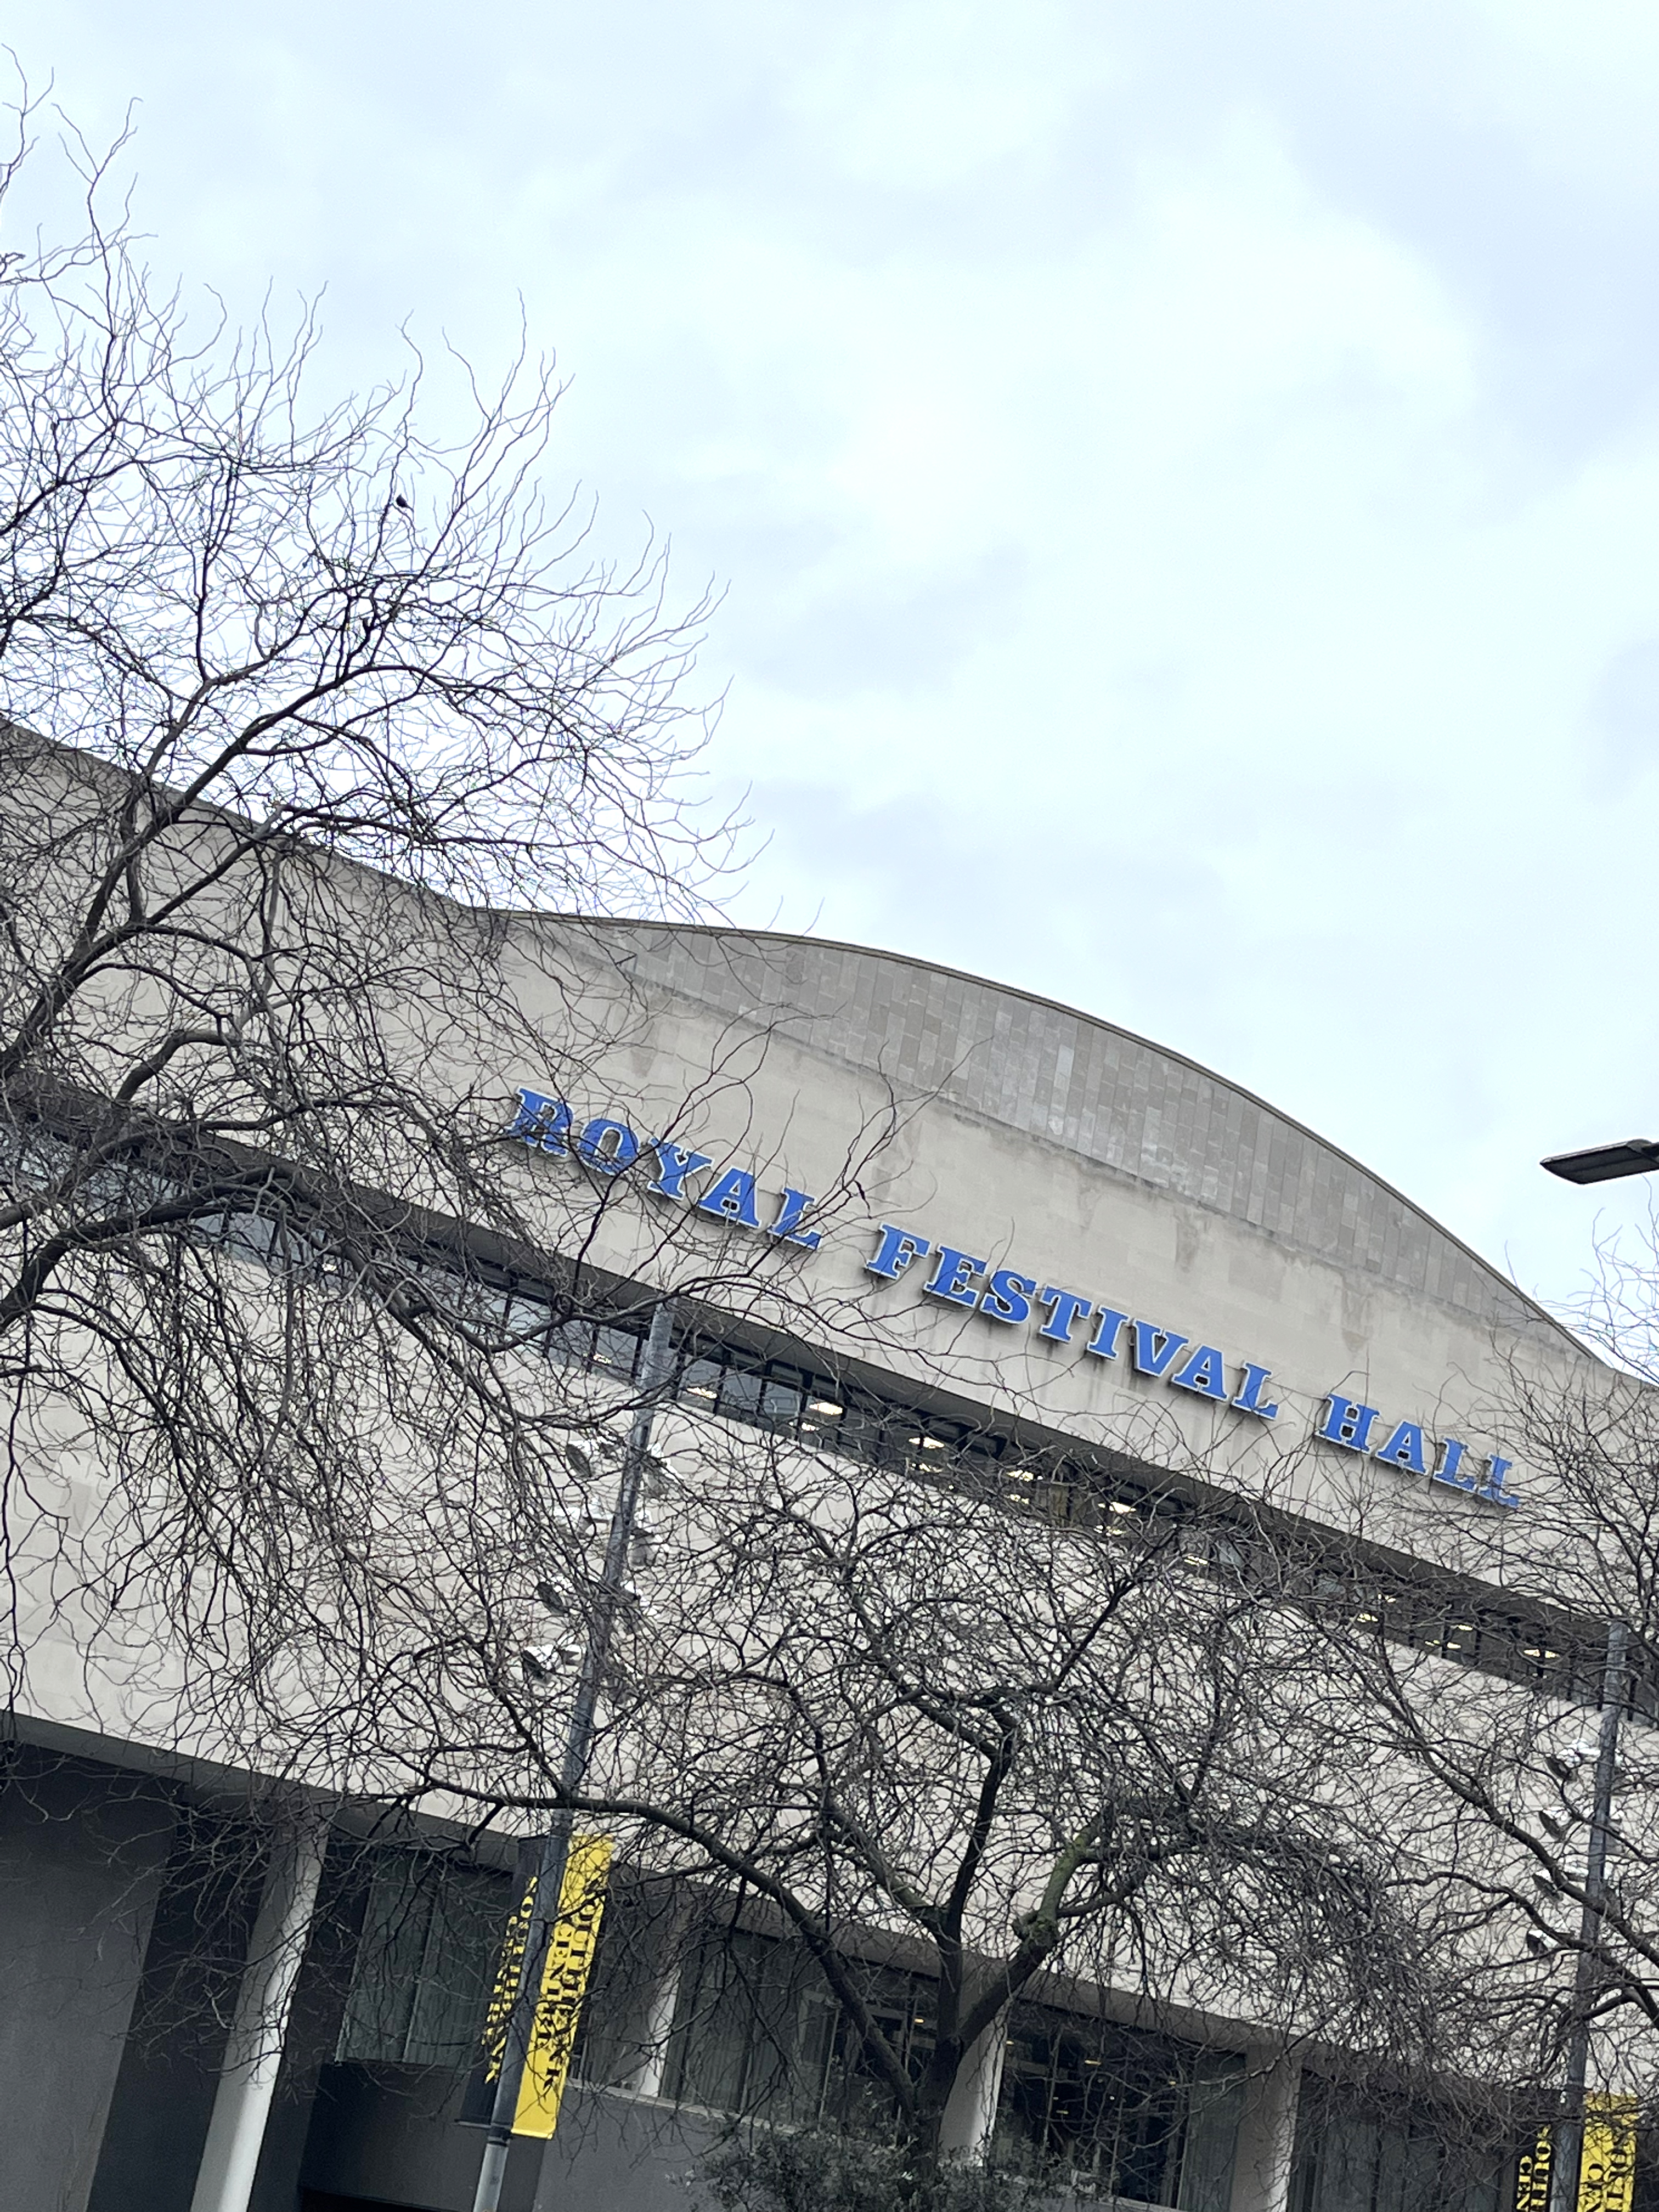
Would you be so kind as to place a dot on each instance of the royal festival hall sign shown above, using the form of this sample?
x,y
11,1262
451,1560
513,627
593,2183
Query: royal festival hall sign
x,y
1006,1298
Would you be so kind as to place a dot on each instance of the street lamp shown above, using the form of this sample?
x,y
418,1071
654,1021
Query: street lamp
x,y
1568,2146
1604,1162
553,1852
1599,1163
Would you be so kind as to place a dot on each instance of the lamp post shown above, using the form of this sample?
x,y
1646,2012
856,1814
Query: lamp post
x,y
1633,1155
1567,2149
655,1368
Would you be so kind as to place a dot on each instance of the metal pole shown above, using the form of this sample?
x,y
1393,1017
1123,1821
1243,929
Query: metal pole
x,y
656,1369
1567,2149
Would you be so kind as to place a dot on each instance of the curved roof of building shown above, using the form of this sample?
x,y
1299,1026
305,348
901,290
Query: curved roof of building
x,y
1130,1107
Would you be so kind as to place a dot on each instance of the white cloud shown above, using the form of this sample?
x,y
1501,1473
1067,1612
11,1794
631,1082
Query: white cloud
x,y
1187,475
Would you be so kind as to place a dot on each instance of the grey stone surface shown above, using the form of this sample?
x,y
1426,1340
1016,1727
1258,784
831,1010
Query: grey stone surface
x,y
82,1854
1067,1079
388,2135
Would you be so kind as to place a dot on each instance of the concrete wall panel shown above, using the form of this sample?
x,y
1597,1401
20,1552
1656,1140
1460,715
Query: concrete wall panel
x,y
82,1854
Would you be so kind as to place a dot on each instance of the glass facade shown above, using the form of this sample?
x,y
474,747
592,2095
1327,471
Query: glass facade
x,y
1129,2113
425,1960
754,2033
1353,2156
1089,2105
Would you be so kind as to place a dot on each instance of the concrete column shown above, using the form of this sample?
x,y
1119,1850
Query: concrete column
x,y
224,2180
971,2116
647,2078
1267,2134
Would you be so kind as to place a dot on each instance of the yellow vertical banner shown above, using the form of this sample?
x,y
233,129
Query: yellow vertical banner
x,y
570,1945
1606,2163
477,2099
1607,2170
1532,2175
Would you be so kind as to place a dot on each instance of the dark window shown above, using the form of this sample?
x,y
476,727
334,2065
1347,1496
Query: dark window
x,y
1138,2116
420,1984
781,1399
574,1341
740,1393
756,2031
1352,2157
700,1379
615,1350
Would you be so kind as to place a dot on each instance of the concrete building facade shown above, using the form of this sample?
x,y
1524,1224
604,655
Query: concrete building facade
x,y
1043,1226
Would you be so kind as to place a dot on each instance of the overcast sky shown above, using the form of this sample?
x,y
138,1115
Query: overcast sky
x,y
1185,476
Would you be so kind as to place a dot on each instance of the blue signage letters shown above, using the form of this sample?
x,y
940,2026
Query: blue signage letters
x,y
1249,1400
674,1163
795,1203
1008,1297
1165,1355
953,1277
1345,1422
1108,1329
895,1251
1153,1349
1491,1487
1065,1310
731,1198
1201,1371
609,1146
543,1123
1405,1449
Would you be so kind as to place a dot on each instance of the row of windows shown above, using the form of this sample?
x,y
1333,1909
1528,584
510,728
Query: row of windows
x,y
1556,1653
753,2032
1351,2159
799,1406
795,1403
802,1405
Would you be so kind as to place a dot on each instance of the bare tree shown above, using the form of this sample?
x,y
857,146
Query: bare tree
x,y
1502,1704
1034,1730
313,1385
300,705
